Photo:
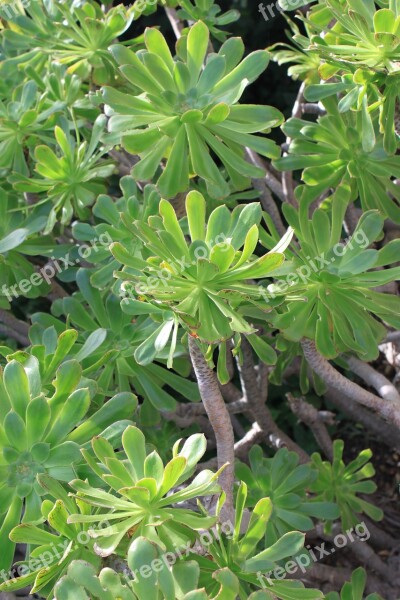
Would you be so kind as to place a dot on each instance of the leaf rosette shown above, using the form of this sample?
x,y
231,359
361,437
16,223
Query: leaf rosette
x,y
186,111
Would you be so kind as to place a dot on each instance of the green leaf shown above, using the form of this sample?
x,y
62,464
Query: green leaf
x,y
13,240
172,473
70,414
288,545
197,44
16,384
260,516
175,177
16,431
155,42
38,415
133,442
93,342
368,133
171,225
263,350
196,213
248,70
119,407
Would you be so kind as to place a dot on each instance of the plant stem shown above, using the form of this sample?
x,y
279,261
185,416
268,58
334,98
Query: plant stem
x,y
383,386
14,328
218,415
274,436
388,410
175,22
370,421
308,414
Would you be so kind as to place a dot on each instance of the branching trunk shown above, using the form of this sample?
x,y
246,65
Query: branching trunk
x,y
218,415
308,414
386,431
375,379
14,328
388,410
252,394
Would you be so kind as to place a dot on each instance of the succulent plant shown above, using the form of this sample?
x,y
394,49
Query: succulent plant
x,y
304,61
42,430
132,188
354,589
26,120
204,283
285,482
51,552
344,148
136,206
19,238
342,484
143,493
179,582
329,285
110,333
77,36
194,10
238,552
184,112
70,181
209,13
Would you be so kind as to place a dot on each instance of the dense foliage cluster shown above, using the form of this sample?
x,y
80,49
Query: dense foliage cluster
x,y
150,222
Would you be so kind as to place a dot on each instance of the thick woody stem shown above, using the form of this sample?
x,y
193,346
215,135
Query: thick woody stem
x,y
383,386
308,414
14,328
386,431
388,410
257,407
218,415
363,553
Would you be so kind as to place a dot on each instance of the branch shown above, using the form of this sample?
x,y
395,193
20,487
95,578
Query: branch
x,y
312,109
382,385
308,414
14,327
125,161
392,336
257,407
362,551
241,448
380,539
385,431
230,392
324,369
220,421
287,176
264,186
175,22
336,576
